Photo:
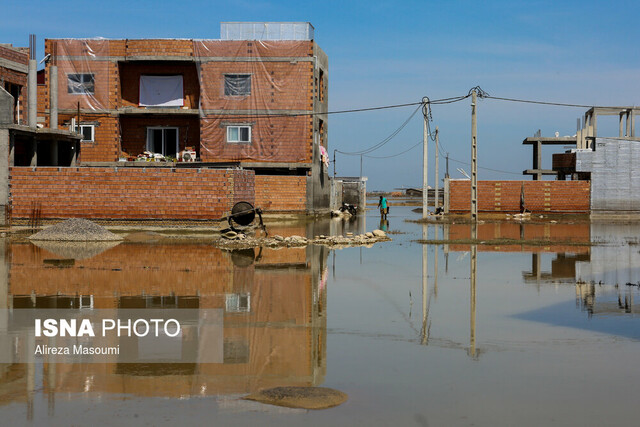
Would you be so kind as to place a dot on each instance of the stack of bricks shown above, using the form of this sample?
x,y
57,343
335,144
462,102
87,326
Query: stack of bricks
x,y
128,193
504,196
290,195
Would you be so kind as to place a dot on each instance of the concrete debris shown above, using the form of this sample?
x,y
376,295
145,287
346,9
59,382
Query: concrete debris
x,y
242,241
76,230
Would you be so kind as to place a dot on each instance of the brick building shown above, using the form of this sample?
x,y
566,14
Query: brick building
x,y
256,99
13,78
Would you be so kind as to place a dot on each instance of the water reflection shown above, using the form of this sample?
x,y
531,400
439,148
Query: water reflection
x,y
597,258
271,304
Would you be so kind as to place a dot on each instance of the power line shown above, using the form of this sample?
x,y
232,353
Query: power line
x,y
394,155
527,101
384,141
480,167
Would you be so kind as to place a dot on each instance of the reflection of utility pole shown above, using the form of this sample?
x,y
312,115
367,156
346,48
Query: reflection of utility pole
x,y
437,199
31,372
424,332
435,283
472,333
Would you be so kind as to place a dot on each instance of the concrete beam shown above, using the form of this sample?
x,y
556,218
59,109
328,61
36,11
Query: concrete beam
x,y
15,66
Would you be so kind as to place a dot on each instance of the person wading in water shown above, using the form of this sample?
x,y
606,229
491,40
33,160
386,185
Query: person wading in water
x,y
384,207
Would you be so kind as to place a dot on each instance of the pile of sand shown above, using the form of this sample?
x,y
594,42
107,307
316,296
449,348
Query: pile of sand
x,y
76,230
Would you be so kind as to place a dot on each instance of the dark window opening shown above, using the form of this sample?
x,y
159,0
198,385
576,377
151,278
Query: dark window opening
x,y
80,84
237,84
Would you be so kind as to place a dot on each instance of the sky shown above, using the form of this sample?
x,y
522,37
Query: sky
x,y
395,52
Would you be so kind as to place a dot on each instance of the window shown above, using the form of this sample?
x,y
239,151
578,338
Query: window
x,y
80,84
237,84
239,134
87,131
237,303
161,91
163,140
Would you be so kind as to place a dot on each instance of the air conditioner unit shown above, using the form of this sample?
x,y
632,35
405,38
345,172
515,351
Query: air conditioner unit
x,y
187,156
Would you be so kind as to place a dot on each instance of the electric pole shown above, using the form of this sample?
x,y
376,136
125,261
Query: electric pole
x,y
474,159
425,158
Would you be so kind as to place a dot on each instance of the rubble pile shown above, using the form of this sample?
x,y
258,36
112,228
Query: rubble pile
x,y
235,239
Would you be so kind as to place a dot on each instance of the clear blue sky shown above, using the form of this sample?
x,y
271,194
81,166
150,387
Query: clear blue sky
x,y
389,52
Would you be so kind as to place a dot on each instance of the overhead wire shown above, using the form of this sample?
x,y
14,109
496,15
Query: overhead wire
x,y
384,141
394,155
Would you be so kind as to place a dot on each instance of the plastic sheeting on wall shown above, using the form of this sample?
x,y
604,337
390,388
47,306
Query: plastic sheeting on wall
x,y
83,73
161,91
615,174
265,85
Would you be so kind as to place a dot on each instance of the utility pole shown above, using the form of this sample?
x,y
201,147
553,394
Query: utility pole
x,y
437,198
334,164
446,174
474,159
360,166
425,158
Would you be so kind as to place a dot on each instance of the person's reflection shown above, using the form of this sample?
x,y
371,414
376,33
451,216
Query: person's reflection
x,y
384,225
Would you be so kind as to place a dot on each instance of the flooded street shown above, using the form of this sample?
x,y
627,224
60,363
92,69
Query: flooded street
x,y
539,334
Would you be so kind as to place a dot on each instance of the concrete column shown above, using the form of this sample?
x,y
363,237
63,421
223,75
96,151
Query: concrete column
x,y
34,152
53,88
537,159
74,156
32,94
4,175
620,132
446,195
629,115
53,149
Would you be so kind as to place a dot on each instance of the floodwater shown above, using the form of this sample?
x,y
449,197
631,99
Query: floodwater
x,y
535,335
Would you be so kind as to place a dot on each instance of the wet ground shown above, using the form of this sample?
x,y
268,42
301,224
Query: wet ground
x,y
542,333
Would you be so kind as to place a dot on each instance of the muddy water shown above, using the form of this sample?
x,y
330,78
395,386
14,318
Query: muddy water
x,y
536,335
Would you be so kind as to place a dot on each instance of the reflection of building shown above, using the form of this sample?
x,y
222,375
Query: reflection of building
x,y
272,306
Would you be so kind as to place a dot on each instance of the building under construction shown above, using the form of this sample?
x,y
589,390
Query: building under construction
x,y
599,176
175,128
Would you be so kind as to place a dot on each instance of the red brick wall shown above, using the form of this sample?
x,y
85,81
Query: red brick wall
x,y
281,193
275,139
504,196
128,193
11,76
159,47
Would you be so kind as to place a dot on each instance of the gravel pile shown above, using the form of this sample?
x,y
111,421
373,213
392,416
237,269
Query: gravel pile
x,y
76,230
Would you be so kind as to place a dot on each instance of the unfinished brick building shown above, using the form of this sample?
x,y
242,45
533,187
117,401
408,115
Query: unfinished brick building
x,y
13,78
256,99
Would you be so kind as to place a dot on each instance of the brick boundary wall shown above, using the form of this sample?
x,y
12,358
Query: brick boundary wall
x,y
281,192
504,196
128,193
